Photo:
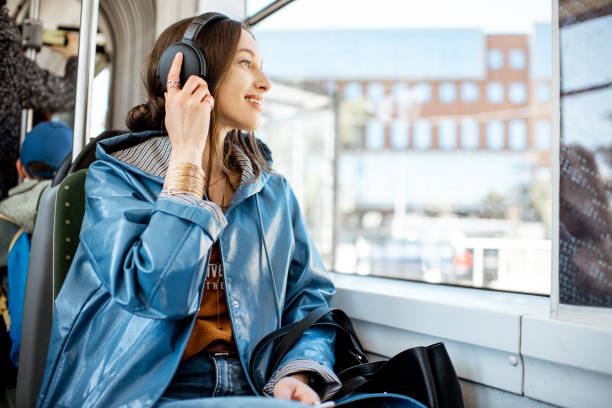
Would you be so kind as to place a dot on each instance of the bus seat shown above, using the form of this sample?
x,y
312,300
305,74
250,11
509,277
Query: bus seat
x,y
38,304
69,210
41,287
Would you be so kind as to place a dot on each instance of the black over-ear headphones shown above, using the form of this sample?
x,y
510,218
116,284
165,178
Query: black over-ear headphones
x,y
193,58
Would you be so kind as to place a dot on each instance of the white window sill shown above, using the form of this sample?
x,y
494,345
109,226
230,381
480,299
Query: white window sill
x,y
501,340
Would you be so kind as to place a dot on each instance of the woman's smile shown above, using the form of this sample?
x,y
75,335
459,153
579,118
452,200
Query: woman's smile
x,y
255,101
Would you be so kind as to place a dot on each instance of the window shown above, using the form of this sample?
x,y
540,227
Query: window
x,y
495,92
375,134
399,135
400,92
448,92
517,92
469,92
422,134
404,87
447,133
517,134
469,134
542,135
543,93
375,91
495,135
495,58
352,91
516,59
422,92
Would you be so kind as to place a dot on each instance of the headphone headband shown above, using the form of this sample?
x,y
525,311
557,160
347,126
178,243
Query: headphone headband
x,y
194,62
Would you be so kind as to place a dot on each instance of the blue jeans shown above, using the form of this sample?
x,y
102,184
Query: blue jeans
x,y
202,377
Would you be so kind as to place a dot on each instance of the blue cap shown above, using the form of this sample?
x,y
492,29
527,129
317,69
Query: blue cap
x,y
47,142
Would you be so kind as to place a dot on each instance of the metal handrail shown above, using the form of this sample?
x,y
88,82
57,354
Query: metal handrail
x,y
87,54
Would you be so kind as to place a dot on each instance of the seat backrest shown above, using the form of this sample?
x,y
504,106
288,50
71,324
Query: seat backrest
x,y
40,287
69,210
38,304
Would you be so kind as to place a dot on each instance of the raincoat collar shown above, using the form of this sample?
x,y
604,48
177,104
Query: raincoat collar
x,y
147,154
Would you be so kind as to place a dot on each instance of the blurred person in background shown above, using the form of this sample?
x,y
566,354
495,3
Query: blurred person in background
x,y
24,85
44,149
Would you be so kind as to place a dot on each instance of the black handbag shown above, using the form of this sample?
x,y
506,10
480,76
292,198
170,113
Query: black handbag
x,y
425,374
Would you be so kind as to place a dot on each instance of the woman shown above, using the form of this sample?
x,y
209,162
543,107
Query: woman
x,y
191,251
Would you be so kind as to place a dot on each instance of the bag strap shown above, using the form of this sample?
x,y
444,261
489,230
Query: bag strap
x,y
292,337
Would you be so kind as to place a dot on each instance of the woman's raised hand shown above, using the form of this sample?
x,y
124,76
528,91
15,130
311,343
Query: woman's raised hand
x,y
187,114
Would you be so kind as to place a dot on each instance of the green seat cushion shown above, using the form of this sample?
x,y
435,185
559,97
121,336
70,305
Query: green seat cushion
x,y
69,211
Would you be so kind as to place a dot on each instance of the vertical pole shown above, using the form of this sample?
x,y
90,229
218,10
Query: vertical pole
x,y
556,164
26,114
87,55
335,210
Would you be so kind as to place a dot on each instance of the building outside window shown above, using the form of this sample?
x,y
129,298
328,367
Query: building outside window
x,y
517,92
516,59
469,92
495,135
495,59
447,133
469,133
517,134
495,92
448,92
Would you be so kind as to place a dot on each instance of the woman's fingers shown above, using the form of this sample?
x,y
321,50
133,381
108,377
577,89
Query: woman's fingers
x,y
174,74
193,83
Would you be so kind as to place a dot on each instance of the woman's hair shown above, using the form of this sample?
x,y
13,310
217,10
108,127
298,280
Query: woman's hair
x,y
218,41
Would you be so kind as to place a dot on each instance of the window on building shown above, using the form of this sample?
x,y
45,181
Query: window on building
x,y
516,59
495,135
495,59
495,92
542,135
375,91
422,92
470,134
517,134
353,90
399,135
448,92
469,92
422,134
517,92
400,92
543,93
375,134
447,134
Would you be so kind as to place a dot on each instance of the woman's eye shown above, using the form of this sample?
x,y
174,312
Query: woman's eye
x,y
247,63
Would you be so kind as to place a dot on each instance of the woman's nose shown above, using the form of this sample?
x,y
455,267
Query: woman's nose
x,y
263,83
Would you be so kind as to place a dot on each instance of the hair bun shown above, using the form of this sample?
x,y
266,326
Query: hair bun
x,y
139,118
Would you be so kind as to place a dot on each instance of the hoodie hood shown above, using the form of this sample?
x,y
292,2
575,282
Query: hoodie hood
x,y
148,153
22,202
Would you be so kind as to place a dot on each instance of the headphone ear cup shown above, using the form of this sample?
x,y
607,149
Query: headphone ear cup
x,y
193,62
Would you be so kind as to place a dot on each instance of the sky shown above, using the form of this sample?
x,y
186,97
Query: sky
x,y
492,16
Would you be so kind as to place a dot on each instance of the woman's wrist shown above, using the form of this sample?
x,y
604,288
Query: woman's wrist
x,y
184,178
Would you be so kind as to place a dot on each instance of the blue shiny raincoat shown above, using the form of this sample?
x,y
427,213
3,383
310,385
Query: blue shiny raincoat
x,y
129,302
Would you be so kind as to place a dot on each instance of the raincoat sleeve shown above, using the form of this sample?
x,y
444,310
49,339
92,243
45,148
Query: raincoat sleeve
x,y
149,252
309,286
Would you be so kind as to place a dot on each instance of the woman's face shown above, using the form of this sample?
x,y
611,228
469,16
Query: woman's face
x,y
240,98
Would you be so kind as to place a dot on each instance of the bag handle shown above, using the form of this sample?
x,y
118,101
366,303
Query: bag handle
x,y
290,334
